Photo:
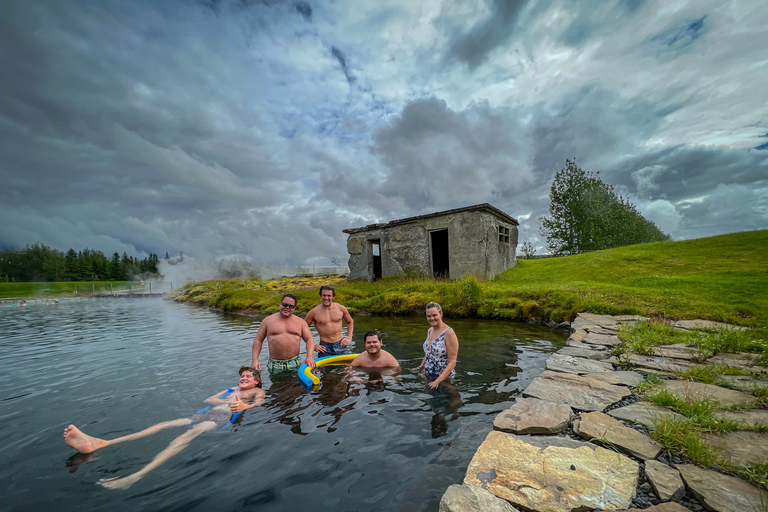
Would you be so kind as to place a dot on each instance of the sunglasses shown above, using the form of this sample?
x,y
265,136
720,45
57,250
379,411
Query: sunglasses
x,y
289,306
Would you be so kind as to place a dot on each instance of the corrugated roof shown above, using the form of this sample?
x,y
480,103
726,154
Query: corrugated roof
x,y
477,207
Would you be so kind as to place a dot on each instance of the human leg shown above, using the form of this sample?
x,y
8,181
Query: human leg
x,y
84,443
176,446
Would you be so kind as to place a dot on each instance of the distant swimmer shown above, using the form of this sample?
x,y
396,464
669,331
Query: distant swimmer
x,y
219,414
327,318
22,302
284,332
374,356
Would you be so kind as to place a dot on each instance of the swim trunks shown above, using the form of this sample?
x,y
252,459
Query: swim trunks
x,y
334,349
283,365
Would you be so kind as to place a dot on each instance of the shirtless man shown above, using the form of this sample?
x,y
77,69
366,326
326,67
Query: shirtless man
x,y
219,414
374,356
284,332
327,318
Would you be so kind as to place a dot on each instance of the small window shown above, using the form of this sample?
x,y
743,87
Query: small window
x,y
503,234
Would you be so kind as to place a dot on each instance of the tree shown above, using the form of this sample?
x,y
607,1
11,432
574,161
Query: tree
x,y
585,214
527,250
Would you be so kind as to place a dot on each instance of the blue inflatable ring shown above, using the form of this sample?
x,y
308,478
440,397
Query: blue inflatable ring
x,y
309,379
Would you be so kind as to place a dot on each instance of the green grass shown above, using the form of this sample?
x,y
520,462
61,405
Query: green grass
x,y
45,289
720,278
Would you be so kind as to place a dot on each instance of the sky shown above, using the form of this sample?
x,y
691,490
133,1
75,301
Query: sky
x,y
262,129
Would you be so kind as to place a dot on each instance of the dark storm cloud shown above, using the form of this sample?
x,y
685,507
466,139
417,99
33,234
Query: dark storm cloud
x,y
304,9
473,46
339,56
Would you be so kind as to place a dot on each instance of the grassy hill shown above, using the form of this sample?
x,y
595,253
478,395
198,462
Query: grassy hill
x,y
721,278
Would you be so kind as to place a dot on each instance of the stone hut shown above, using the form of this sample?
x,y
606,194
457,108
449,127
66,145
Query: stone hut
x,y
479,239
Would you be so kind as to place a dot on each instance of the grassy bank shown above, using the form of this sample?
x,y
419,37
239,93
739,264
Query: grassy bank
x,y
57,290
721,278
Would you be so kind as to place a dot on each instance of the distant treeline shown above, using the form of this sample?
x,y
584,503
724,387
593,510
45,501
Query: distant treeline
x,y
41,263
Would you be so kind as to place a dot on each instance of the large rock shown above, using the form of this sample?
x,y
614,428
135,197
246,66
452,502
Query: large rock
x,y
628,319
578,335
666,481
644,413
721,493
696,391
581,393
534,416
619,378
469,498
740,447
661,507
597,355
744,382
553,474
596,426
577,365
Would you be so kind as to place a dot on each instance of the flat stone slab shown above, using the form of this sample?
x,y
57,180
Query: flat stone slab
x,y
553,474
746,362
644,413
678,351
740,447
601,428
577,365
705,324
624,319
659,363
610,331
595,355
581,393
586,346
469,498
534,416
584,319
696,391
744,382
606,340
578,335
721,493
619,378
748,418
666,481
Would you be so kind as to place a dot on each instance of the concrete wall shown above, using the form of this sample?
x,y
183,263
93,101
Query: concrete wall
x,y
473,246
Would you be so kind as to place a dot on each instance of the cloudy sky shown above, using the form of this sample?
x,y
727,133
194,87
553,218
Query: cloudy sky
x,y
264,128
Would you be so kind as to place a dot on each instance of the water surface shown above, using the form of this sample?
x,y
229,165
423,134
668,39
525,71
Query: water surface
x,y
116,366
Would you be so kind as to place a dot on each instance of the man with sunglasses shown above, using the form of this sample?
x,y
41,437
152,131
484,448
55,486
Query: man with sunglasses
x,y
284,332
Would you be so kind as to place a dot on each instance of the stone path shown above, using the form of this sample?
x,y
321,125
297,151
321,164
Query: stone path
x,y
534,461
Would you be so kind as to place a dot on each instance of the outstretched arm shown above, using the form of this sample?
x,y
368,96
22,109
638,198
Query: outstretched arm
x,y
258,343
222,397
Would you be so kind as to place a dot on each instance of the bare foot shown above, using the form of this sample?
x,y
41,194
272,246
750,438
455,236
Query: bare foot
x,y
81,442
117,483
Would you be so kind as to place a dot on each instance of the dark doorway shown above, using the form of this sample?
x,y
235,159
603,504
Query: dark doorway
x,y
439,244
376,252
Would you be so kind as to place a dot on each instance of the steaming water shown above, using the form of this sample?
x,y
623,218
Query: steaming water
x,y
115,366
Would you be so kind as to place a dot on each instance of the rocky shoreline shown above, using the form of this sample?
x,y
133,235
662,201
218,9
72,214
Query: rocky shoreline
x,y
577,439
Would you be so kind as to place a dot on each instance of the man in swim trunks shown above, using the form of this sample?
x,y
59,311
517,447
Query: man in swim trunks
x,y
374,356
327,318
284,332
223,404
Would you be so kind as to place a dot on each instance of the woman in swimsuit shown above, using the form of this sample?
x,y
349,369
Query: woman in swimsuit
x,y
440,348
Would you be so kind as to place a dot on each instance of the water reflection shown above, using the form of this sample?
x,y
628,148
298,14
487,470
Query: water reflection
x,y
119,365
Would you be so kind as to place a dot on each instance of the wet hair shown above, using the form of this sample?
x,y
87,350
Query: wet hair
x,y
328,287
372,333
256,373
434,305
290,296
